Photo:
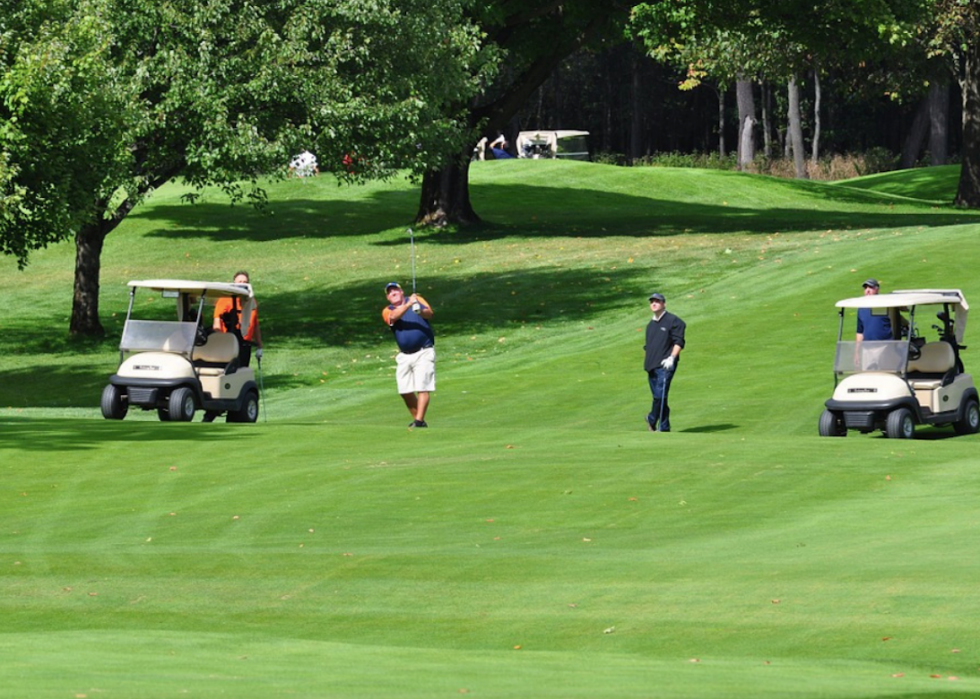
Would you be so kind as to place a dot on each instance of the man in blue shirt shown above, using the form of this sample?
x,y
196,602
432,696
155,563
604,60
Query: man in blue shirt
x,y
871,326
408,319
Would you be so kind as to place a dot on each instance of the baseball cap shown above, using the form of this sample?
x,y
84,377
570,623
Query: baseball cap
x,y
389,285
657,297
872,283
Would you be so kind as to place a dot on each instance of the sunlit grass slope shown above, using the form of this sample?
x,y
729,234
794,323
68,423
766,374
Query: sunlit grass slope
x,y
536,540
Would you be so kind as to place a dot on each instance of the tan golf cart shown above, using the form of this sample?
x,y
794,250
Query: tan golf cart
x,y
572,145
179,366
895,384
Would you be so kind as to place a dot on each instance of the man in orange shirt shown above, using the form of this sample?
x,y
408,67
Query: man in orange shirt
x,y
228,318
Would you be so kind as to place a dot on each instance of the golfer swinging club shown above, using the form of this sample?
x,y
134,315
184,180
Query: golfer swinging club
x,y
665,340
408,319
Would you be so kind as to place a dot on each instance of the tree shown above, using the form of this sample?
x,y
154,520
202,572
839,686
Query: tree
x,y
952,32
533,36
103,101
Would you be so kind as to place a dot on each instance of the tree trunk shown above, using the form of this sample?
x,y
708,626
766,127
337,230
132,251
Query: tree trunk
x,y
722,151
916,137
817,97
88,258
445,195
968,193
636,116
746,122
796,129
88,266
766,126
938,122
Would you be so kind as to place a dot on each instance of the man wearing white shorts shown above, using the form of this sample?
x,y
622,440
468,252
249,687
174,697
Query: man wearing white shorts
x,y
408,319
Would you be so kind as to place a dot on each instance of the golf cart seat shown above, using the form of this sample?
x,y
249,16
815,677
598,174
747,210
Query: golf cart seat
x,y
934,367
219,355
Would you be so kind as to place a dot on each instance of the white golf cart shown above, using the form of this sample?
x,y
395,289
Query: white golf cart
x,y
892,385
571,145
178,366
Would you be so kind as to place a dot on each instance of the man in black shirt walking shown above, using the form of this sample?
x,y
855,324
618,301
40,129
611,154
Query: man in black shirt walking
x,y
664,342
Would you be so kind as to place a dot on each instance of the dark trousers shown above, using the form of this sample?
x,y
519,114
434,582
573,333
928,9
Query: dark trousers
x,y
660,379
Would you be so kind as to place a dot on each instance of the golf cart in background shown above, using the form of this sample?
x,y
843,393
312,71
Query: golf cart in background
x,y
895,384
179,366
571,145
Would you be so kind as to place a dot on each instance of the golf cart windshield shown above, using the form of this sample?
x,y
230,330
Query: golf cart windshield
x,y
158,335
883,355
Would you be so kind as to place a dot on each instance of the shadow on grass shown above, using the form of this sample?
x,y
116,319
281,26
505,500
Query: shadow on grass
x,y
465,305
707,429
54,385
59,434
347,317
529,211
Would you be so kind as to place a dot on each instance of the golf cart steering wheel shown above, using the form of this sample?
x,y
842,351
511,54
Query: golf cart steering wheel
x,y
915,347
201,337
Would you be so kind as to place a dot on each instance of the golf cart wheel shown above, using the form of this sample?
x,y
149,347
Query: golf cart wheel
x,y
832,424
181,405
114,404
900,424
970,423
249,411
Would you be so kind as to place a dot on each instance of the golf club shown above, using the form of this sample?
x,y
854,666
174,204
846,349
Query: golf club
x,y
663,388
265,417
411,237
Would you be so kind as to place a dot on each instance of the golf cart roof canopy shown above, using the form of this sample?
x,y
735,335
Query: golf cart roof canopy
x,y
916,297
211,289
908,298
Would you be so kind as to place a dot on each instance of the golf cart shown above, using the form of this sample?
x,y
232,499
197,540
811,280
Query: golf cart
x,y
892,385
178,366
572,145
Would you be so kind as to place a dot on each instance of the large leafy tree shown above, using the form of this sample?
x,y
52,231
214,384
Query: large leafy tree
x,y
102,101
530,37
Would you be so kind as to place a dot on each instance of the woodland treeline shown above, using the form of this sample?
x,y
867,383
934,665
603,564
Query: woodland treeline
x,y
635,108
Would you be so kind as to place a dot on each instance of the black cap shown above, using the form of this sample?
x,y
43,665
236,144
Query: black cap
x,y
657,297
389,285
873,283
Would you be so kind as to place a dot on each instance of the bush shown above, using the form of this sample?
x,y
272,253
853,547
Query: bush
x,y
830,167
707,161
609,158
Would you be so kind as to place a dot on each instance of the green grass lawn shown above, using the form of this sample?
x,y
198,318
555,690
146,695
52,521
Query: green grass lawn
x,y
536,541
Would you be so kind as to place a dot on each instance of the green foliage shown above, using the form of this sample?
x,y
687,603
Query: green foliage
x,y
101,101
707,161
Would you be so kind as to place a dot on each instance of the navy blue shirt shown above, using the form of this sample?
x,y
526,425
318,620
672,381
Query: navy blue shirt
x,y
873,326
661,337
412,332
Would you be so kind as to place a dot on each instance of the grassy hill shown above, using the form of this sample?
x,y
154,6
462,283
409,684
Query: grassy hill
x,y
536,540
